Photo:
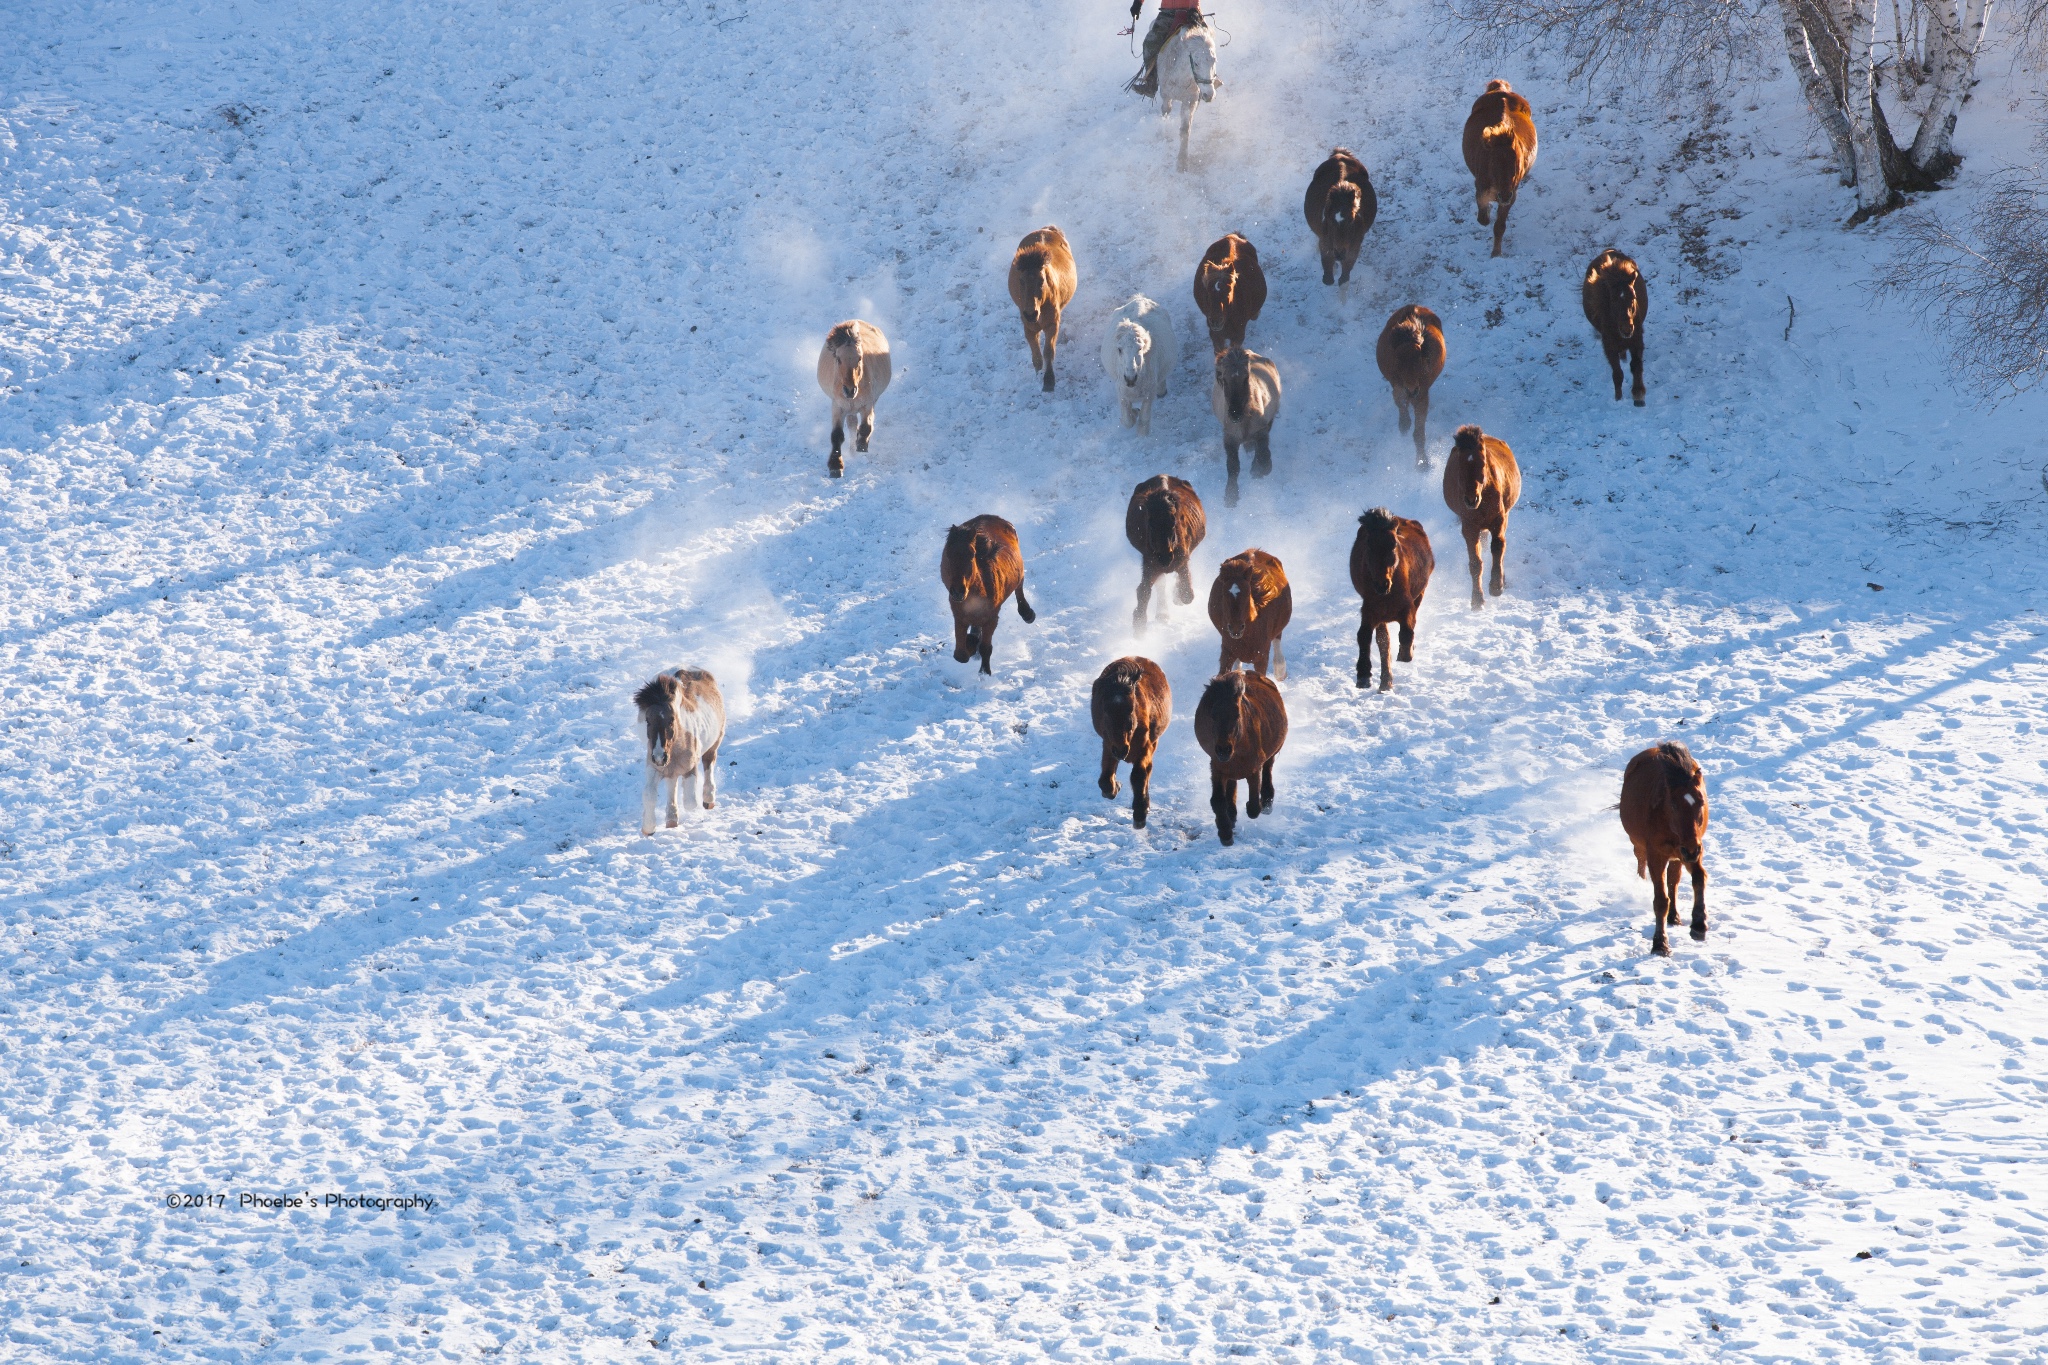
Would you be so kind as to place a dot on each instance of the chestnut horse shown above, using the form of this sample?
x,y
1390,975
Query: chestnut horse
x,y
1230,289
1664,810
1132,706
1340,207
1390,567
683,713
981,566
1616,298
1411,357
1250,603
1500,149
1245,398
1041,284
1241,722
853,370
1164,524
1482,483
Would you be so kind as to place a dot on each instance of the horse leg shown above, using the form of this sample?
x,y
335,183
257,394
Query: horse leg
x,y
710,767
1266,785
867,429
1031,340
1659,904
1279,662
1635,367
1230,467
1482,195
1500,222
1408,637
1386,659
1500,547
988,644
1223,800
837,464
963,638
1673,870
1613,349
1365,637
692,780
1141,790
1329,255
1185,594
1699,898
1262,456
649,795
1145,415
1401,406
1107,782
1472,533
1187,121
1052,341
1146,573
674,816
1421,400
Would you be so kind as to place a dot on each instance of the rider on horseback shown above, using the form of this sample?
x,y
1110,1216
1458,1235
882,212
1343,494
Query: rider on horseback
x,y
1174,15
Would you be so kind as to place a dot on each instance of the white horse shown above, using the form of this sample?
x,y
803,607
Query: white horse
x,y
684,714
1187,72
1140,353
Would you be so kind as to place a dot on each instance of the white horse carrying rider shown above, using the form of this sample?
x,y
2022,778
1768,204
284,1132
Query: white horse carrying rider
x,y
1187,73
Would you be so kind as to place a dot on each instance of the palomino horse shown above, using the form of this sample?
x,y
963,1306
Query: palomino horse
x,y
981,566
1187,73
853,370
1390,567
1164,523
1617,299
1664,810
1041,285
684,715
1132,706
1241,722
1482,483
1250,603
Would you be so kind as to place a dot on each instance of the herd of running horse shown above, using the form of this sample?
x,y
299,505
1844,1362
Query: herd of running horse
x,y
1241,719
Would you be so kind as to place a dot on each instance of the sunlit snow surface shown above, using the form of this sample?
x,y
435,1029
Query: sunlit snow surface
x,y
389,389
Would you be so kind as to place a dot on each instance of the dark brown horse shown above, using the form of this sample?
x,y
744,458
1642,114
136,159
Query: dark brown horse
x,y
1132,706
981,566
1664,810
1340,206
1230,289
1482,483
1250,603
1241,724
1500,148
1617,299
1411,356
1390,567
1164,524
1041,284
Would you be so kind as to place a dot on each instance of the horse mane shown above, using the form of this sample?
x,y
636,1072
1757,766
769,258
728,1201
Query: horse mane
x,y
1497,86
1162,526
1468,439
656,694
1680,768
845,334
1411,333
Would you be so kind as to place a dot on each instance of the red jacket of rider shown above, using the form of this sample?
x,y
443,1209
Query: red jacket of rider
x,y
1179,4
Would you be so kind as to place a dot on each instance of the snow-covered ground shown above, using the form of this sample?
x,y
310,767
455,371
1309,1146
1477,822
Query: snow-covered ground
x,y
389,389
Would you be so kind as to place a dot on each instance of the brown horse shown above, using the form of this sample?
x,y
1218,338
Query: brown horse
x,y
981,566
1482,483
1500,149
1664,810
1164,524
1390,567
1411,356
1250,603
1041,284
1340,206
1132,706
1617,299
1230,289
1241,722
1245,398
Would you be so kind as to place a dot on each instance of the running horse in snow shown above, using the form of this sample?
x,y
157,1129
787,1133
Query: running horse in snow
x,y
1664,811
853,370
982,566
683,713
1250,603
1187,74
1500,149
1241,722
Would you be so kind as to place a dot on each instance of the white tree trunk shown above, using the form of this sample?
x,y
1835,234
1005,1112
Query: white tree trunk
x,y
1819,91
1953,42
1858,87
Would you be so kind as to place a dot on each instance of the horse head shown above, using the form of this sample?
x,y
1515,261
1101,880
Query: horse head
x,y
1133,344
1614,276
1202,61
1234,377
1344,203
1468,461
847,357
1382,549
1686,787
1120,703
1240,600
656,701
961,563
1229,689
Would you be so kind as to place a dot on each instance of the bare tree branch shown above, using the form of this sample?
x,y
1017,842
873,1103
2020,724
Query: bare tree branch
x,y
1983,289
1668,40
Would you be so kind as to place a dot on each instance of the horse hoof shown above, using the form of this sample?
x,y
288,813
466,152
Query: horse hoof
x,y
1138,820
1478,602
1225,839
1364,681
1642,403
647,834
1109,787
1386,684
1423,465
1661,949
1699,935
673,823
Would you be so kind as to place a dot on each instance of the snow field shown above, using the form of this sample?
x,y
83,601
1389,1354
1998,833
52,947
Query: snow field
x,y
360,459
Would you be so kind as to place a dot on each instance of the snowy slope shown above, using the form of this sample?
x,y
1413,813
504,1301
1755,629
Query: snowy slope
x,y
389,389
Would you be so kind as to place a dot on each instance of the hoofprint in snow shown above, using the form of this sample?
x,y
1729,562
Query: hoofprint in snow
x,y
390,390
